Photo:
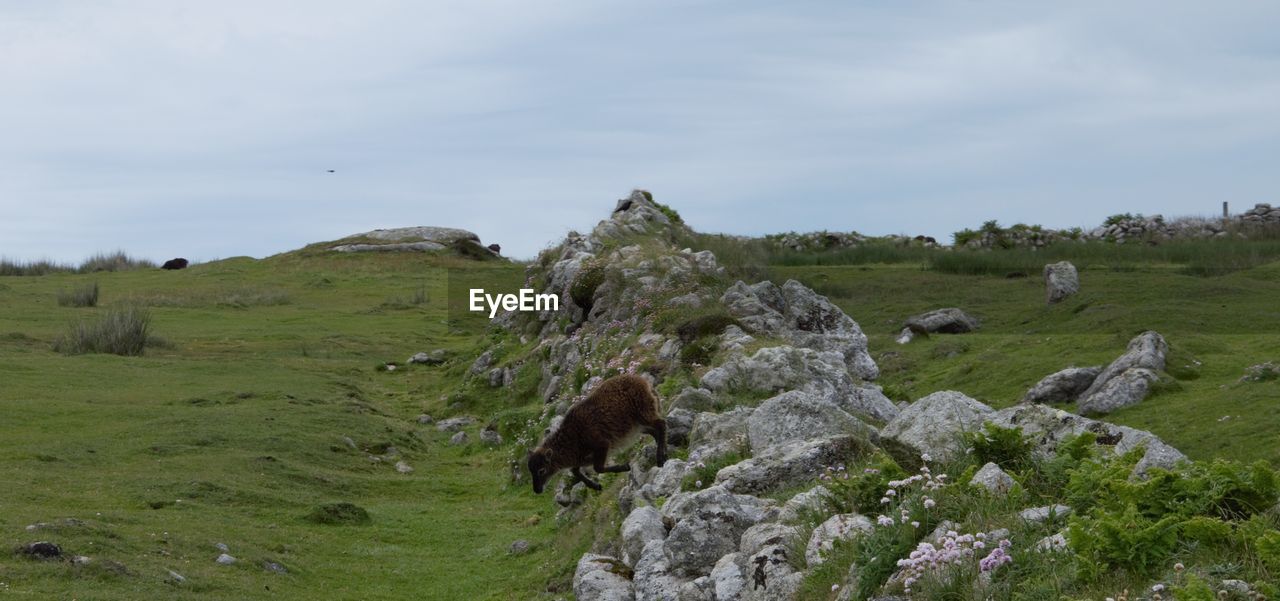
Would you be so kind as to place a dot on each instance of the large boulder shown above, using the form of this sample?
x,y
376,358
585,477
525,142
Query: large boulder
x,y
788,465
942,321
934,425
798,416
822,373
643,526
653,580
421,238
1060,281
1063,386
601,578
1047,427
804,318
708,525
1145,352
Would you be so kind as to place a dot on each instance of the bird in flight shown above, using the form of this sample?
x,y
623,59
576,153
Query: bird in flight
x,y
330,171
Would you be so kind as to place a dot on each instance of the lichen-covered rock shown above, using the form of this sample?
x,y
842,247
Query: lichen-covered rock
x,y
1060,281
1047,427
643,526
653,580
802,317
813,501
601,578
1126,388
1035,515
764,534
935,425
993,479
679,424
770,575
728,578
797,416
942,321
696,543
694,399
1063,386
658,481
780,368
730,426
788,465
840,527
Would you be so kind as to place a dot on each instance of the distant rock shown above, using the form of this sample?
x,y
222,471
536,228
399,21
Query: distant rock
x,y
225,560
41,550
1064,386
435,357
490,437
425,420
455,424
274,567
420,239
1060,281
519,547
942,321
403,467
458,439
1126,380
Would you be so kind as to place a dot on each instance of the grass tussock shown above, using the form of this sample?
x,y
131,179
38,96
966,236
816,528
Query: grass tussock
x,y
83,296
124,330
116,261
234,298
10,267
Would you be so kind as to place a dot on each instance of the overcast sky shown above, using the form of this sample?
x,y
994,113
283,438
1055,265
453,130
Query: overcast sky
x,y
207,129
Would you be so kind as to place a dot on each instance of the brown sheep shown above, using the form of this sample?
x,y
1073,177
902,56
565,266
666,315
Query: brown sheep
x,y
619,409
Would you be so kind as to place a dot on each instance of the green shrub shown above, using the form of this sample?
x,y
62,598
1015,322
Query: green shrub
x,y
704,473
704,325
1125,540
583,289
1119,218
1268,546
84,296
116,261
1005,447
338,513
700,351
861,491
1206,531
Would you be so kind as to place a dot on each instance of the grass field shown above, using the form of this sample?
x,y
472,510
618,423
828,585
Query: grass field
x,y
233,430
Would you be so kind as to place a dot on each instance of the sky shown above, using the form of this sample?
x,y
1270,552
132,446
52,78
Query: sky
x,y
207,129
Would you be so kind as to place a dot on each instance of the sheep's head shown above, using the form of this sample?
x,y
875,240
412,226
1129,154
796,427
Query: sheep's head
x,y
542,468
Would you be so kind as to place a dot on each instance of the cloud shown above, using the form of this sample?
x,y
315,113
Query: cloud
x,y
208,131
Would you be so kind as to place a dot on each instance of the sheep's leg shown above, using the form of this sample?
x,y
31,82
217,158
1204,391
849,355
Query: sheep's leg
x,y
599,458
578,477
659,431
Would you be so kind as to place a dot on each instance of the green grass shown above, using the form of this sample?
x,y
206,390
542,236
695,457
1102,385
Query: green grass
x,y
235,433
1217,327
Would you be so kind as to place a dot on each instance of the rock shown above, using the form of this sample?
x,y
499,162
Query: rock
x,y
41,550
730,426
994,479
1147,351
602,578
1060,281
176,578
1036,515
490,438
404,468
905,336
458,439
770,576
653,580
679,425
425,420
765,534
455,424
435,357
698,541
728,578
796,416
935,425
422,238
1062,387
802,317
813,501
1126,388
1047,427
497,376
661,481
225,560
482,363
942,321
701,588
643,526
1052,544
840,527
222,547
274,567
779,368
788,465
686,300
518,547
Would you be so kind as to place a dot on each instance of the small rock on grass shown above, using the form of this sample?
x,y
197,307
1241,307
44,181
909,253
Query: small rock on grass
x,y
403,467
41,550
458,439
490,437
274,567
519,547
226,560
176,578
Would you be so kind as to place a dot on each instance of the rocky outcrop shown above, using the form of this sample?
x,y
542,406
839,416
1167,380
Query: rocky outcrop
x,y
1060,281
602,578
788,465
942,321
420,239
1126,380
1064,386
820,373
1048,427
796,416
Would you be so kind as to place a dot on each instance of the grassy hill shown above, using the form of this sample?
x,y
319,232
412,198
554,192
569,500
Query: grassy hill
x,y
239,423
